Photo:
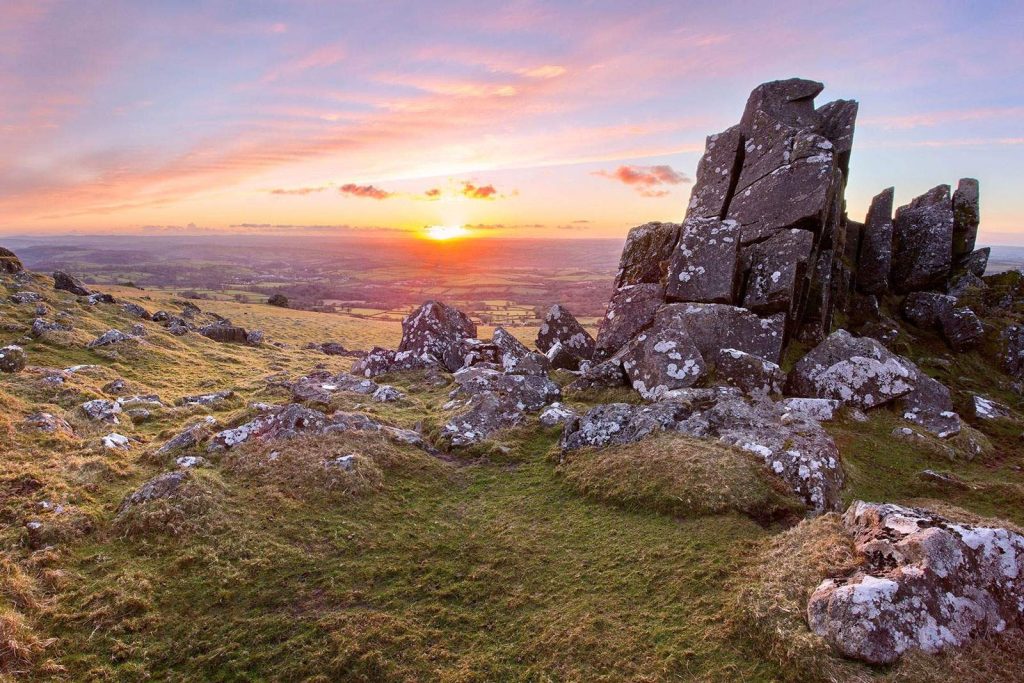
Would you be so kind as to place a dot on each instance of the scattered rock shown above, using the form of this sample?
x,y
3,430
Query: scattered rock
x,y
225,334
210,399
386,394
69,283
25,297
102,410
927,583
12,359
110,337
961,328
254,337
48,423
562,329
556,414
435,330
136,310
944,479
988,409
929,405
40,327
926,309
116,442
191,437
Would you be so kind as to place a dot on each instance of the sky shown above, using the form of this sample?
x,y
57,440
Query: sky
x,y
531,119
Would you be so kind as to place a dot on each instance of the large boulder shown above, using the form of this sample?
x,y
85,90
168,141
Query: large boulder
x,y
962,328
927,583
646,254
858,371
664,358
69,283
704,264
713,327
9,262
875,258
630,311
436,330
225,334
12,359
923,242
966,217
561,328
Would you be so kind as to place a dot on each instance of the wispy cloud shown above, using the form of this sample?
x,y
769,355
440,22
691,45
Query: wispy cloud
x,y
301,191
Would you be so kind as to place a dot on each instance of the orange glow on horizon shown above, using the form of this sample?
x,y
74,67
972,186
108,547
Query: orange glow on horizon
x,y
443,233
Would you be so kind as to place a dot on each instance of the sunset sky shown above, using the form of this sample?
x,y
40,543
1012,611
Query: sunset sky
x,y
576,119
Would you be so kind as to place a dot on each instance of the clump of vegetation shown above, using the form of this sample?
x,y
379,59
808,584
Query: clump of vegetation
x,y
771,597
176,503
279,300
682,476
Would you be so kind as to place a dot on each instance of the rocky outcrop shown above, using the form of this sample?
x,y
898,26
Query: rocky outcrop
x,y
9,262
435,330
923,241
927,583
69,283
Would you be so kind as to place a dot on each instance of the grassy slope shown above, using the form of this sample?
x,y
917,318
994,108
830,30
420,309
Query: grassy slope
x,y
474,570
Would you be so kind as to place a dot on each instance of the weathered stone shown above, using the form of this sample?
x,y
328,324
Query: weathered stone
x,y
984,408
630,311
9,262
435,330
533,363
560,327
961,328
789,101
1012,356
749,373
962,283
12,359
862,309
99,298
620,423
925,309
923,242
163,486
874,262
225,334
818,409
40,327
376,362
777,268
722,160
857,371
927,583
930,406
26,297
603,375
976,262
966,217
703,266
713,327
210,399
116,442
254,337
817,319
837,120
102,410
386,393
524,392
789,180
48,423
109,337
556,414
487,414
663,358
69,283
281,423
646,254
136,310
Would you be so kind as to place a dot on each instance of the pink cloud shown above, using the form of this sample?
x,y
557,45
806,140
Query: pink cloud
x,y
367,191
302,191
647,180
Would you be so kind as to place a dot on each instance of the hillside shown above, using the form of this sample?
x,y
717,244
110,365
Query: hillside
x,y
790,450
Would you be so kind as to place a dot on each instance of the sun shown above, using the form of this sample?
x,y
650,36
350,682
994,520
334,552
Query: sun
x,y
445,232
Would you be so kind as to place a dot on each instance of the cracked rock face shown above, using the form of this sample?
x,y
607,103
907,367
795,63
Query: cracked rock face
x,y
858,371
703,268
436,330
713,327
561,328
662,359
630,311
927,583
776,271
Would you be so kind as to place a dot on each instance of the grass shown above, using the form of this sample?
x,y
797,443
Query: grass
x,y
681,476
650,562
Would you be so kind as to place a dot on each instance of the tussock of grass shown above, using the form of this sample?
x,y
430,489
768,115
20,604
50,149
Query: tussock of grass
x,y
682,476
191,508
20,646
307,468
772,596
